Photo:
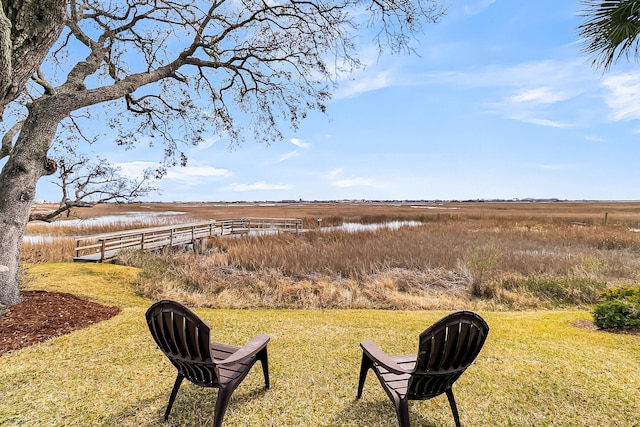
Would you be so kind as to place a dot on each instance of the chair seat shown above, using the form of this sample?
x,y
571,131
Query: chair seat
x,y
397,382
228,373
184,338
445,350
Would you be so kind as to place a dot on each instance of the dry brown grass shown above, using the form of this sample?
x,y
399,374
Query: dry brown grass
x,y
486,255
589,213
47,250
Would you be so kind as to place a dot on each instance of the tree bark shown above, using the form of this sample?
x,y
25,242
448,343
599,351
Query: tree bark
x,y
28,162
18,179
28,29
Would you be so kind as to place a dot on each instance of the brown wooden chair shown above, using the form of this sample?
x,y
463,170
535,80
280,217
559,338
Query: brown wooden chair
x,y
184,339
445,350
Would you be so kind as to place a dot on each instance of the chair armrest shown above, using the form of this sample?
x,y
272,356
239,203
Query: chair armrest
x,y
248,350
378,356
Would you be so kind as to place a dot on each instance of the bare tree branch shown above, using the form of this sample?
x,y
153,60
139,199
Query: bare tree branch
x,y
86,183
7,139
171,71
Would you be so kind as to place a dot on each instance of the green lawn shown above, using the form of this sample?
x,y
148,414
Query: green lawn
x,y
536,369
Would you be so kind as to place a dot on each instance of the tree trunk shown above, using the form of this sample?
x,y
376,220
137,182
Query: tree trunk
x,y
18,180
28,162
28,29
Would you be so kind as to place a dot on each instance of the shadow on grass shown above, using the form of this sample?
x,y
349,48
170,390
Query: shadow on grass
x,y
361,413
194,406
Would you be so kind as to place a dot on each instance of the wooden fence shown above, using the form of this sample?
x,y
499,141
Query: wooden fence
x,y
104,247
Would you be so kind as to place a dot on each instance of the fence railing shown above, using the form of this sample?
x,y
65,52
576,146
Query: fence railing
x,y
103,247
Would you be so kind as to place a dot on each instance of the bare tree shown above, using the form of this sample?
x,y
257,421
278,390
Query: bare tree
x,y
84,183
174,69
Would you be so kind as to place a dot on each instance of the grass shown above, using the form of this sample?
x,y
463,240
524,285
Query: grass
x,y
487,264
507,256
536,369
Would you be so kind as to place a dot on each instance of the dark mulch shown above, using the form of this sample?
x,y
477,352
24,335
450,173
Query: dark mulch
x,y
43,315
588,324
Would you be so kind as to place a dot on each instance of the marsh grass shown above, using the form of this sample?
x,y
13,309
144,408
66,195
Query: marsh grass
x,y
536,369
482,263
499,256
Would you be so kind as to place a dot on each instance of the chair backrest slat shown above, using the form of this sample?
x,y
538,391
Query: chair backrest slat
x,y
451,336
445,350
184,338
179,334
197,351
462,343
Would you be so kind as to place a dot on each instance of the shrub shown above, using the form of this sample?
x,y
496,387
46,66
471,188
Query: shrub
x,y
483,263
621,293
572,290
621,309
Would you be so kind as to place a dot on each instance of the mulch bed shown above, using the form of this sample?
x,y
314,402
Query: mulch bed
x,y
588,324
43,315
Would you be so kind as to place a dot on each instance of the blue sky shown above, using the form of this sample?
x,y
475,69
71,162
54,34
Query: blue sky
x,y
500,103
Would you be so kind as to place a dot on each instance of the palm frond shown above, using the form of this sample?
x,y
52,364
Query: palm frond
x,y
610,30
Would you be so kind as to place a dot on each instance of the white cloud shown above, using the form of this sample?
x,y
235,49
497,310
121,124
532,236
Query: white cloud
x,y
362,83
191,172
207,143
334,173
568,77
260,185
134,169
526,91
541,95
290,154
541,122
300,143
624,96
476,7
336,180
594,138
353,182
189,175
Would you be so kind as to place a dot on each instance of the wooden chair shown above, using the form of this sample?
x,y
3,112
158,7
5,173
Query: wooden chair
x,y
445,350
184,339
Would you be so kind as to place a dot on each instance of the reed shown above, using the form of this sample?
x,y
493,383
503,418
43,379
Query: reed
x,y
478,263
515,258
47,249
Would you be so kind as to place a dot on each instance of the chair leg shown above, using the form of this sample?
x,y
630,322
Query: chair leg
x,y
264,360
222,402
174,393
454,408
364,368
402,410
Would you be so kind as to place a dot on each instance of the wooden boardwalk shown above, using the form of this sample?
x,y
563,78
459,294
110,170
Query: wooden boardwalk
x,y
104,247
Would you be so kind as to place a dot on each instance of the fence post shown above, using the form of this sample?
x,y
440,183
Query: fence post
x,y
101,250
